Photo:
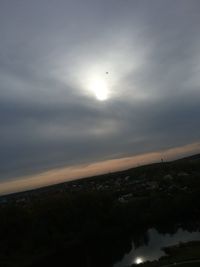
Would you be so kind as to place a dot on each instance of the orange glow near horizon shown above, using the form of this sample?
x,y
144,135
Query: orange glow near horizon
x,y
64,174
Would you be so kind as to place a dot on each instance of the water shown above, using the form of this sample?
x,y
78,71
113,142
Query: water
x,y
153,249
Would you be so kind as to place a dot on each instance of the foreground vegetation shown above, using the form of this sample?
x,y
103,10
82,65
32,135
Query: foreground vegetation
x,y
92,227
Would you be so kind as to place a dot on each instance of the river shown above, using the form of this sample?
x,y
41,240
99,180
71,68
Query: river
x,y
152,249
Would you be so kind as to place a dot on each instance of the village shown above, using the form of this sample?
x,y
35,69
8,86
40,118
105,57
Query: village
x,y
123,186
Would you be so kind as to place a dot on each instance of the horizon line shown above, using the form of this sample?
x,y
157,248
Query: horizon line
x,y
81,171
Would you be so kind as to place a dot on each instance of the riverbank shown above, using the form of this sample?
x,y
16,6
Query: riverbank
x,y
99,218
183,254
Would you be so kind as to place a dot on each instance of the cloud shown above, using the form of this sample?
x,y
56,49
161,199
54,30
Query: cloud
x,y
63,174
49,118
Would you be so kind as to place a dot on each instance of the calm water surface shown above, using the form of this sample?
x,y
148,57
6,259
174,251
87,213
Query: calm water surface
x,y
153,250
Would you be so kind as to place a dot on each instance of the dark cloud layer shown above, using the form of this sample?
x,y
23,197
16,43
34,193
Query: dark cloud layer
x,y
48,116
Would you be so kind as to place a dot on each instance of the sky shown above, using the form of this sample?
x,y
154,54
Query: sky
x,y
95,82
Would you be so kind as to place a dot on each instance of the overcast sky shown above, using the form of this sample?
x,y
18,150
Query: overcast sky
x,y
94,80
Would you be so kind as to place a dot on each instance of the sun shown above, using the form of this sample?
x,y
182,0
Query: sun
x,y
100,90
99,87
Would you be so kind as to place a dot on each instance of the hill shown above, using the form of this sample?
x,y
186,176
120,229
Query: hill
x,y
98,217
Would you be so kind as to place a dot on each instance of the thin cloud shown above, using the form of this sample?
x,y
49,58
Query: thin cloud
x,y
49,116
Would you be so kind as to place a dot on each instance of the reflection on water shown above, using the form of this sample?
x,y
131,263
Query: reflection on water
x,y
152,250
139,260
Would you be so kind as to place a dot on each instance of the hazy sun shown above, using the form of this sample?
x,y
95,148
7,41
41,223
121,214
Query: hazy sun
x,y
99,87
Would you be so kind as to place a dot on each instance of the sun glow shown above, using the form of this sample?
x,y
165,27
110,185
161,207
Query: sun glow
x,y
99,87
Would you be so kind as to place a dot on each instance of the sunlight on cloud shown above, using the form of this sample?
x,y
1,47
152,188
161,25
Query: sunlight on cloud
x,y
102,71
68,173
